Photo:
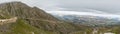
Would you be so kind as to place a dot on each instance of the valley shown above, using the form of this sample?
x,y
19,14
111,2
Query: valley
x,y
20,18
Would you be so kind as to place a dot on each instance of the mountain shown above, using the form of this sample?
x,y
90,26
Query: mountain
x,y
22,10
19,18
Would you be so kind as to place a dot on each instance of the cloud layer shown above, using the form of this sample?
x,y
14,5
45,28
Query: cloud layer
x,y
62,13
98,6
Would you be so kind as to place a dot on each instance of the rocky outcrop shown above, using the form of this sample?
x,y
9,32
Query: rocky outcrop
x,y
6,21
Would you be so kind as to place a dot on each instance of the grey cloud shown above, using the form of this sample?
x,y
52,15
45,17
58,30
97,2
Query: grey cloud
x,y
43,4
90,4
107,6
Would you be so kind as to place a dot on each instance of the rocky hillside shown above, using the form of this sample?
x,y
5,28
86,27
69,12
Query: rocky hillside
x,y
24,11
32,20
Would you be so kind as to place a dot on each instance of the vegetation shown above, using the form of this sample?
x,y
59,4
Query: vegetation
x,y
36,21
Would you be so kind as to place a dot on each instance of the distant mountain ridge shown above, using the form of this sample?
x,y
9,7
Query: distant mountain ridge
x,y
93,20
89,20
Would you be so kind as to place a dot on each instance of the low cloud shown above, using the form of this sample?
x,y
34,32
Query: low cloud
x,y
62,13
99,6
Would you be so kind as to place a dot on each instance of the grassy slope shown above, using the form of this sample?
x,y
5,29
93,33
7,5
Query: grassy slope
x,y
20,27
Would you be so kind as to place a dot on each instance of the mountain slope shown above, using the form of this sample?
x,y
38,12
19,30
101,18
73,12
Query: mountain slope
x,y
32,20
24,11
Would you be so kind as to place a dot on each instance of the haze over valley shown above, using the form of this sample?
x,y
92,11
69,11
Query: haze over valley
x,y
59,17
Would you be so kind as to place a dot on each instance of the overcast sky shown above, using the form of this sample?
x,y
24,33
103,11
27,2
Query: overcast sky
x,y
99,6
